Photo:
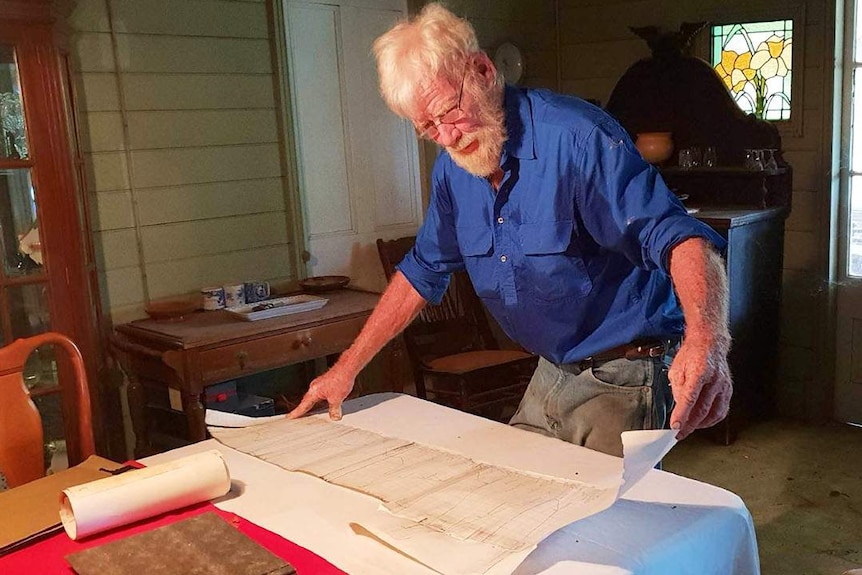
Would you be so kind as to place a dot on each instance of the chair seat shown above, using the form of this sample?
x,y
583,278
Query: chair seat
x,y
469,372
461,363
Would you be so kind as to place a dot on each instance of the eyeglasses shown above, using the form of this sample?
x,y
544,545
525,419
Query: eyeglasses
x,y
430,129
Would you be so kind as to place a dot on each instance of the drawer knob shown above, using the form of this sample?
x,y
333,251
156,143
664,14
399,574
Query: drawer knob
x,y
242,359
302,342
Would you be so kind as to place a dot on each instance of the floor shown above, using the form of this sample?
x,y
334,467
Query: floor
x,y
802,485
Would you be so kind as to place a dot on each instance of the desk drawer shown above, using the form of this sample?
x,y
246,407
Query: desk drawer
x,y
274,351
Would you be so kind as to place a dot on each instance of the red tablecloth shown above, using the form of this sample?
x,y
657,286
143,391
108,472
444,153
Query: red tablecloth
x,y
46,557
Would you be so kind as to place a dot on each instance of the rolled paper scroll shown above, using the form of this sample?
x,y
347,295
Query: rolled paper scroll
x,y
122,499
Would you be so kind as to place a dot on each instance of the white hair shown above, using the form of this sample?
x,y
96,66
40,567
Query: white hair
x,y
434,44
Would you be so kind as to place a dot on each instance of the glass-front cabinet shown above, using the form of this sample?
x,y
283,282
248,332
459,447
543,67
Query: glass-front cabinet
x,y
24,296
46,272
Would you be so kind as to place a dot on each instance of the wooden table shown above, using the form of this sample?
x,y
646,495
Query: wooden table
x,y
664,524
169,363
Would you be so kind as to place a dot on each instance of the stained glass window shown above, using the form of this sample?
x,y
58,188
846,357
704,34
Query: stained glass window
x,y
755,62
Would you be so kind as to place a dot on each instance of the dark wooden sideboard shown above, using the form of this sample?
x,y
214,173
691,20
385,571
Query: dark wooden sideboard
x,y
170,363
672,91
748,208
754,258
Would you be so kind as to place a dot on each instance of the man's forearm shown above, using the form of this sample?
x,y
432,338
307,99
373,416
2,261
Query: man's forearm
x,y
398,305
700,281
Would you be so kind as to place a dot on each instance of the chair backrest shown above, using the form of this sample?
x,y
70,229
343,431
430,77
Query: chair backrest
x,y
21,440
456,325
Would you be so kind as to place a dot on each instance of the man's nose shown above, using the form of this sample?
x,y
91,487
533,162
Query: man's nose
x,y
448,135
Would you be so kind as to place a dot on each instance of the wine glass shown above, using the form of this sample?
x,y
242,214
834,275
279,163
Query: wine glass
x,y
710,157
771,165
757,160
686,159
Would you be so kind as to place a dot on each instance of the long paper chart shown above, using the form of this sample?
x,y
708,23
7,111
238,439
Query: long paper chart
x,y
445,510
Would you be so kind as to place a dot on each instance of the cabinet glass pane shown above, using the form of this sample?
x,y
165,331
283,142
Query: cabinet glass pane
x,y
28,309
13,143
51,409
40,371
19,232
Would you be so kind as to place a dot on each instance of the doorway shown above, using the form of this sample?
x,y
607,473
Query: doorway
x,y
848,344
357,163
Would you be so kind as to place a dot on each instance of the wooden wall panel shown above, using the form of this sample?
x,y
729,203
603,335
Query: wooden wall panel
x,y
183,158
198,91
188,275
113,210
190,18
200,128
183,240
210,200
180,166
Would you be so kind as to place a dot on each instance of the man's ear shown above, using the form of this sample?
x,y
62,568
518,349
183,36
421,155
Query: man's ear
x,y
485,67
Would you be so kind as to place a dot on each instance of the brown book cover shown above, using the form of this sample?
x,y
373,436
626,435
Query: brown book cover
x,y
203,544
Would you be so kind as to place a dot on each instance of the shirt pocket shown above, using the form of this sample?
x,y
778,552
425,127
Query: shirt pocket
x,y
476,244
553,268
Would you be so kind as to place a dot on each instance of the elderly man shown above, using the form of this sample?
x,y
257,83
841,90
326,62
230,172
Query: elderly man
x,y
571,239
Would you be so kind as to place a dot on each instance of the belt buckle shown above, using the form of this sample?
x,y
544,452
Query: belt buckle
x,y
656,350
643,351
586,363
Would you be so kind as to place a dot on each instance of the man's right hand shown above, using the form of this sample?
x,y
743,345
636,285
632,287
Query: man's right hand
x,y
332,386
398,305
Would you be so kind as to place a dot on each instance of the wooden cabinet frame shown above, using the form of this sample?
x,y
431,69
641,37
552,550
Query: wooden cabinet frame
x,y
34,28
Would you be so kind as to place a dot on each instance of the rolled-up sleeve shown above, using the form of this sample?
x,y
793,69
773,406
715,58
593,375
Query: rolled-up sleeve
x,y
646,220
671,231
435,255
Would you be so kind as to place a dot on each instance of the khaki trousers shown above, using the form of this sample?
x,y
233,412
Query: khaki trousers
x,y
592,407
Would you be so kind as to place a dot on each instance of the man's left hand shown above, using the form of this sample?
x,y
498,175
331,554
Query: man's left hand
x,y
701,385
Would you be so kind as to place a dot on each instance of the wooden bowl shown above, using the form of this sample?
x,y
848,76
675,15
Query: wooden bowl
x,y
655,147
324,283
170,310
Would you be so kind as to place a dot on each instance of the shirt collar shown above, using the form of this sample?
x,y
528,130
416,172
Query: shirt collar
x,y
519,124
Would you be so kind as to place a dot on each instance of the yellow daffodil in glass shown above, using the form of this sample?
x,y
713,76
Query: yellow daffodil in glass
x,y
757,78
735,70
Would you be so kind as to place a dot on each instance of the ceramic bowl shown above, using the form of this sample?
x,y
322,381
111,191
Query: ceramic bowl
x,y
655,147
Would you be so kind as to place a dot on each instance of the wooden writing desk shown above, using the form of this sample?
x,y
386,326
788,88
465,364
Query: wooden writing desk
x,y
169,363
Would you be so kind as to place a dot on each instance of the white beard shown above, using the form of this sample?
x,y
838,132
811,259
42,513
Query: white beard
x,y
484,160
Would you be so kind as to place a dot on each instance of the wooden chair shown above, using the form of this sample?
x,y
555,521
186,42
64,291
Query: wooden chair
x,y
453,353
21,441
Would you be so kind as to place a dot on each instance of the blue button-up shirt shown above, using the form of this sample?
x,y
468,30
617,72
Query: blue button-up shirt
x,y
571,254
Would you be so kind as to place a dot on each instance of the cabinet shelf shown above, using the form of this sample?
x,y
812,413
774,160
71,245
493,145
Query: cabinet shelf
x,y
732,186
722,171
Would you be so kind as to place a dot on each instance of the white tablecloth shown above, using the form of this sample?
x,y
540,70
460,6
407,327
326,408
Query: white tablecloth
x,y
664,525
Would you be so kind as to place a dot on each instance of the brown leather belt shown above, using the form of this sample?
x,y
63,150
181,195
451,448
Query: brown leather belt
x,y
635,350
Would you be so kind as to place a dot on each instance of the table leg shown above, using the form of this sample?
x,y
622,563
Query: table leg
x,y
137,411
196,416
394,362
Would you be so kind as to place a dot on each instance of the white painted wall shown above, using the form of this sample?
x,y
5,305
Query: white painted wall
x,y
179,127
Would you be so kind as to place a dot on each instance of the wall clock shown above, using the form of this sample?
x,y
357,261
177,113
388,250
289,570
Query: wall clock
x,y
510,62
